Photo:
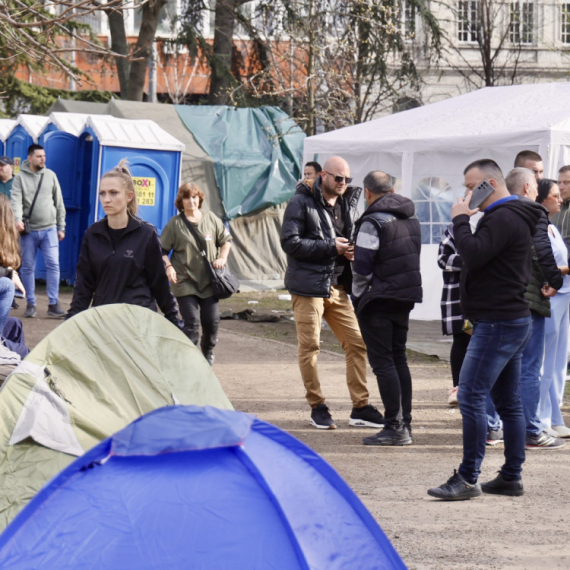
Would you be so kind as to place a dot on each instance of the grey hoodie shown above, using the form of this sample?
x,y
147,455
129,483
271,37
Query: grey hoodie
x,y
49,210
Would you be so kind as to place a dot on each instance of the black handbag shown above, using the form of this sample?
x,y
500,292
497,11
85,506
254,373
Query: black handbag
x,y
223,283
26,219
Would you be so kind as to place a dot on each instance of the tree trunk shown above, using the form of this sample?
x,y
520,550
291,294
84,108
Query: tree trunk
x,y
221,76
119,44
311,110
143,49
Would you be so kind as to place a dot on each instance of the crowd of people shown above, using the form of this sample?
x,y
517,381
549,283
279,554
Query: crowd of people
x,y
505,299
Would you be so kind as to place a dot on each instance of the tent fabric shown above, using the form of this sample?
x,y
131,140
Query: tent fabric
x,y
192,487
256,153
101,369
70,106
426,149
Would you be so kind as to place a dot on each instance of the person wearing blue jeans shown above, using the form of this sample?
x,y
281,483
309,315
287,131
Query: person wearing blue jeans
x,y
6,298
36,196
496,270
47,242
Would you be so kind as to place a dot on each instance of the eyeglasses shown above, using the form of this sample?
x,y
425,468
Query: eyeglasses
x,y
340,179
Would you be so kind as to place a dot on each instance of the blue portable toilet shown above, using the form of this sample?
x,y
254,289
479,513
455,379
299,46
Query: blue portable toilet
x,y
25,133
6,127
154,158
192,487
60,139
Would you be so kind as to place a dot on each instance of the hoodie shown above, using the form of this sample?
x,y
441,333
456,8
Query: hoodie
x,y
387,255
49,210
497,260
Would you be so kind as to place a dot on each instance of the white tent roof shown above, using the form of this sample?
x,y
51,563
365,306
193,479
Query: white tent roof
x,y
524,115
72,123
6,127
112,131
34,124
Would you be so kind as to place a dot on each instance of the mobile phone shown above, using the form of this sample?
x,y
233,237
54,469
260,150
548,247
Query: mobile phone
x,y
480,194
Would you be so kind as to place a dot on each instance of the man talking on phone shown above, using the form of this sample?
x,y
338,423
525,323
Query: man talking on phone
x,y
318,227
496,271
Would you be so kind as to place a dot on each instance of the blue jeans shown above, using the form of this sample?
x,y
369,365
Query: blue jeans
x,y
531,364
493,365
48,242
6,298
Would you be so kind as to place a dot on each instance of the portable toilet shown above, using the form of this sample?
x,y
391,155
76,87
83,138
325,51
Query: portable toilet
x,y
154,157
60,139
25,133
6,127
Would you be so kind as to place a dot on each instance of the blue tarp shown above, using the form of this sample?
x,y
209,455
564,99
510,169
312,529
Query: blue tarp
x,y
191,487
257,153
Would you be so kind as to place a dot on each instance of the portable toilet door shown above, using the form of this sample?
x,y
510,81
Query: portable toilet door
x,y
6,127
25,133
154,159
60,139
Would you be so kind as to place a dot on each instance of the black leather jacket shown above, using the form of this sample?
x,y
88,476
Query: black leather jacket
x,y
308,239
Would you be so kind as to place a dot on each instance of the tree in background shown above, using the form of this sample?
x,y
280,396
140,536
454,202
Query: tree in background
x,y
331,63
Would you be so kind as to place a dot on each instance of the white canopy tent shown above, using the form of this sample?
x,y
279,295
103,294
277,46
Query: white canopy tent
x,y
427,148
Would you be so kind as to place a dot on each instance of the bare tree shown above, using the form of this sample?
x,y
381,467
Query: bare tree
x,y
499,30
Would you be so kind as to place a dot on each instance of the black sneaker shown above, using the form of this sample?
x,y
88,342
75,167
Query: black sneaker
x,y
321,418
210,358
494,437
498,486
367,416
409,428
55,311
456,489
543,441
389,436
30,311
15,305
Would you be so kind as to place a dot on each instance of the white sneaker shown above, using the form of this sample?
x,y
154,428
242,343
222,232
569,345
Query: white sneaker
x,y
561,431
452,397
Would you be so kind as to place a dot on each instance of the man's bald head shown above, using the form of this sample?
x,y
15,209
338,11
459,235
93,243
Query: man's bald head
x,y
335,177
337,163
378,182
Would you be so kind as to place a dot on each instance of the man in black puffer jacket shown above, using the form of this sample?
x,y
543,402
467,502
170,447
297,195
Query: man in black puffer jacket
x,y
387,284
316,236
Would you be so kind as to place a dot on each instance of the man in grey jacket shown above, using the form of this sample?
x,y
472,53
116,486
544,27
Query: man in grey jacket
x,y
47,225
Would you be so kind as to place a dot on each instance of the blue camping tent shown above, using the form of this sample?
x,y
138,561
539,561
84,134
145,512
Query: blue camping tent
x,y
192,487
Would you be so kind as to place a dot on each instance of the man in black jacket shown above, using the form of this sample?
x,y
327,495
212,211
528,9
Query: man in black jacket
x,y
522,182
387,283
316,236
497,268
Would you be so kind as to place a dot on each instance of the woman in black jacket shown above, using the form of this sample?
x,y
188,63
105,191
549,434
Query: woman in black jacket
x,y
121,258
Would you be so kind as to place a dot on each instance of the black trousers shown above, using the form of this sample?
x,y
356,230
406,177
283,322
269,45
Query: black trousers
x,y
196,311
385,335
457,354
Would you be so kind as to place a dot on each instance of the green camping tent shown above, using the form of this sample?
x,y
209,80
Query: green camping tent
x,y
89,378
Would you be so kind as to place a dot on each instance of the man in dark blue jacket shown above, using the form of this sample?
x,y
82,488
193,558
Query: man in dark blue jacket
x,y
318,227
387,283
497,269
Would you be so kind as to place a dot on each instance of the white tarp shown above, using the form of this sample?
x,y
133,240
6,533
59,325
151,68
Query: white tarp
x,y
427,148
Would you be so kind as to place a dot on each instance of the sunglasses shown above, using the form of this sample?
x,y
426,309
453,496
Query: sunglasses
x,y
338,179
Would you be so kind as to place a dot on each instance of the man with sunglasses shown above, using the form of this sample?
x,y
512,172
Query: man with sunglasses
x,y
318,227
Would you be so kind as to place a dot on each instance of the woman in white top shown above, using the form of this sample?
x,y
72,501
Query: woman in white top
x,y
553,377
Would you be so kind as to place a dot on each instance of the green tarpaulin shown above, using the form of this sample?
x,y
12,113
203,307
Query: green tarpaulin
x,y
257,153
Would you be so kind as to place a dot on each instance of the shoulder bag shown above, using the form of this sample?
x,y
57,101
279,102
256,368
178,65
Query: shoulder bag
x,y
223,283
26,219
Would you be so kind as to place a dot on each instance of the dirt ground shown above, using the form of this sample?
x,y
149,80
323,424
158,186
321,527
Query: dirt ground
x,y
256,364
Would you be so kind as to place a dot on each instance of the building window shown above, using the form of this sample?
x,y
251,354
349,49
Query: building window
x,y
408,20
521,26
468,21
433,198
565,24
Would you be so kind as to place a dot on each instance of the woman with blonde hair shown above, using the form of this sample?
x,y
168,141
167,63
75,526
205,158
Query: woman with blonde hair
x,y
120,259
186,270
10,259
